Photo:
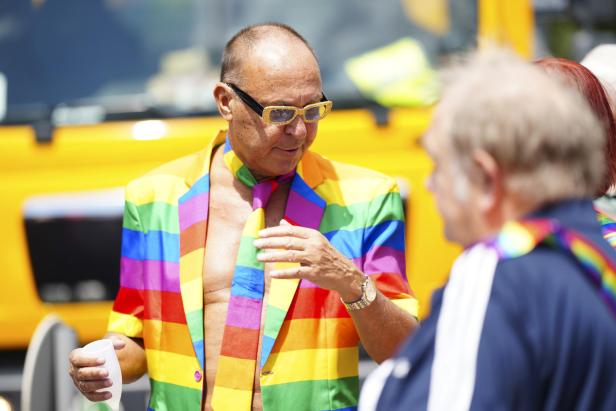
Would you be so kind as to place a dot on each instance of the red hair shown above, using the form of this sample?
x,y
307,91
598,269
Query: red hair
x,y
591,88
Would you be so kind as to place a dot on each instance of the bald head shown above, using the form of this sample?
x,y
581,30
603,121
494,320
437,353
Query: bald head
x,y
600,61
266,46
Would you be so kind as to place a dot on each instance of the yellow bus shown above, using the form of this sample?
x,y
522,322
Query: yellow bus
x,y
94,93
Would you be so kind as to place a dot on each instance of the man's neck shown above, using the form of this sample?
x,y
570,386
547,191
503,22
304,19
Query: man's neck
x,y
511,208
517,207
224,175
260,177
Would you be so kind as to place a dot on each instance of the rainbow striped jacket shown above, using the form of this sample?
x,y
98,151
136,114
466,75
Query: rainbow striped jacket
x,y
311,358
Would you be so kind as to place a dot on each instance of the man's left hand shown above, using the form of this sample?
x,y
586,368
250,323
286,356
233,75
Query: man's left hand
x,y
319,262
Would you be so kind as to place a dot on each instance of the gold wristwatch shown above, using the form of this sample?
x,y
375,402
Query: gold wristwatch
x,y
368,294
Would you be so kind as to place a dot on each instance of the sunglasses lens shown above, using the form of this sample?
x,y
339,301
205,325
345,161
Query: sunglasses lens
x,y
315,113
281,115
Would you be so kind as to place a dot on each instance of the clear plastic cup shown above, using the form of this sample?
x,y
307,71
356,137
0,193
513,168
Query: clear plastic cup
x,y
104,349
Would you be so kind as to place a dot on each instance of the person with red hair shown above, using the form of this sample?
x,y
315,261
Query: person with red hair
x,y
592,90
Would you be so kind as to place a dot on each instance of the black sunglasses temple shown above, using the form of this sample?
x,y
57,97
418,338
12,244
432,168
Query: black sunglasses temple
x,y
250,102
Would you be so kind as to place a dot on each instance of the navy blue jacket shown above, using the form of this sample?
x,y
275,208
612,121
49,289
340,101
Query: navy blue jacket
x,y
545,339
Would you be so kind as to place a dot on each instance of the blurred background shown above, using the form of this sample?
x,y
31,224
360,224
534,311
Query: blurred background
x,y
94,93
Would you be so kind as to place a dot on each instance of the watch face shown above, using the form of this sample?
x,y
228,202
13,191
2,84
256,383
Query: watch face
x,y
370,291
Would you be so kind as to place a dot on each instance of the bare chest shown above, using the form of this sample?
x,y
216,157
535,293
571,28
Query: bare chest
x,y
228,212
227,215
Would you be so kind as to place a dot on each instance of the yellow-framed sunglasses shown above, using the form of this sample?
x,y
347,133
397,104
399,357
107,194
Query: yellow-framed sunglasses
x,y
281,115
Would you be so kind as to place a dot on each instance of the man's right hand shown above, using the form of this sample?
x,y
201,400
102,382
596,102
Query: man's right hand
x,y
89,375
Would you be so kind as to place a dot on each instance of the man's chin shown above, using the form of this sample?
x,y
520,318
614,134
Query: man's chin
x,y
272,172
278,168
455,238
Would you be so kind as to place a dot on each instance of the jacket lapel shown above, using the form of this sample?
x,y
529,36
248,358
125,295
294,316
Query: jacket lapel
x,y
193,213
304,208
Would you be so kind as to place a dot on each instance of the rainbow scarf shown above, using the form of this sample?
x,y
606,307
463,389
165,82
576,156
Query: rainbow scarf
x,y
237,361
520,237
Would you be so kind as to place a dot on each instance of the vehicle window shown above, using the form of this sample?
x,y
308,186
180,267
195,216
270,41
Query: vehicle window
x,y
74,244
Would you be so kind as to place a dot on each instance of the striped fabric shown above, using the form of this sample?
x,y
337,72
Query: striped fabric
x,y
309,355
608,225
519,238
238,354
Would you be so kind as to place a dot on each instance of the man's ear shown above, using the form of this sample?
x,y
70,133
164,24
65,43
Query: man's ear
x,y
222,96
489,180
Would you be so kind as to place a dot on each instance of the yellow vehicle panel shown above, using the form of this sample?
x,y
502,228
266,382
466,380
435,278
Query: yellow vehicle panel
x,y
108,155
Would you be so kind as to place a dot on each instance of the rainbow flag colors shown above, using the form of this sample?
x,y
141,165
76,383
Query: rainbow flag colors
x,y
608,225
520,237
309,355
233,388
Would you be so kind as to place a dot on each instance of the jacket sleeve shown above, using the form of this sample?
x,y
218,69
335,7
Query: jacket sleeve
x,y
384,246
127,314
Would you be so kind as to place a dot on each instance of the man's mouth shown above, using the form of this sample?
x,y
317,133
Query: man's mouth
x,y
289,150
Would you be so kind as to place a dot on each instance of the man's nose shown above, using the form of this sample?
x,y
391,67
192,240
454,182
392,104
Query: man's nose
x,y
297,127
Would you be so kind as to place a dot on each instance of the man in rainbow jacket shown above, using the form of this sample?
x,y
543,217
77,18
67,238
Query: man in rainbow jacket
x,y
527,320
251,270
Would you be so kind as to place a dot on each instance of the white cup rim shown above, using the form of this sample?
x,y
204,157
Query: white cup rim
x,y
97,347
